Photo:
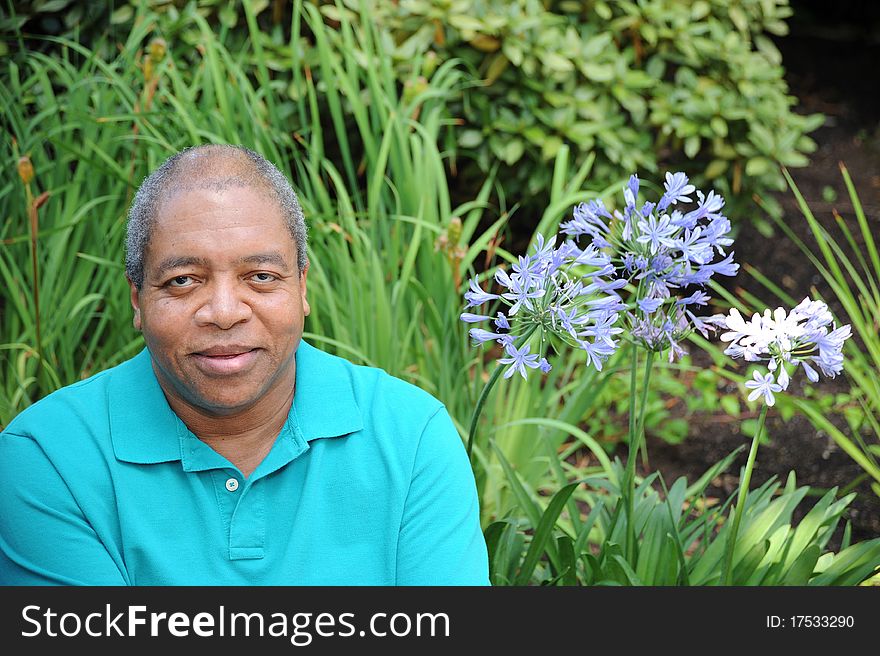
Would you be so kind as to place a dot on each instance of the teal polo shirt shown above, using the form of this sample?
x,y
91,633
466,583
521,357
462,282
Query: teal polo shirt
x,y
368,483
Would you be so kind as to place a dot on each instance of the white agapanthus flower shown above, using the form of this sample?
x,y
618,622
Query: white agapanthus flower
x,y
806,337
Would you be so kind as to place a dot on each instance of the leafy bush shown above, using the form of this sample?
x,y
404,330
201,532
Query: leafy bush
x,y
67,18
644,85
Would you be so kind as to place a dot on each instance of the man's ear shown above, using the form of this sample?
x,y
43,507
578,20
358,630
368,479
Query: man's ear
x,y
135,303
302,290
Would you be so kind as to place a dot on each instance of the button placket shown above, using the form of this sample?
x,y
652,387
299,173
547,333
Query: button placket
x,y
248,524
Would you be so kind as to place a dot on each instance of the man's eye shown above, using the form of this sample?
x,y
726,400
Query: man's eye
x,y
180,281
263,277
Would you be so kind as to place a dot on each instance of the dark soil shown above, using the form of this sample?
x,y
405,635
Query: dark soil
x,y
831,67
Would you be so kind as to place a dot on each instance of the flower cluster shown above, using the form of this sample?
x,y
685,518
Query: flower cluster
x,y
564,291
654,251
661,249
805,337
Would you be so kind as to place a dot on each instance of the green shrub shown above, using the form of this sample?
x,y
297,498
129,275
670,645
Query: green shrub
x,y
646,85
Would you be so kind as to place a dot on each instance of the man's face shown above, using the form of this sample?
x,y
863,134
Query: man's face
x,y
222,304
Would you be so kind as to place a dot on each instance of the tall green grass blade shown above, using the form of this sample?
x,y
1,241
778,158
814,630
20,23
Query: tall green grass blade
x,y
543,533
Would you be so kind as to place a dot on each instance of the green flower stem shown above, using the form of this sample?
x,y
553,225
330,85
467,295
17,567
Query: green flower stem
x,y
636,426
643,404
632,401
632,446
478,409
727,570
484,394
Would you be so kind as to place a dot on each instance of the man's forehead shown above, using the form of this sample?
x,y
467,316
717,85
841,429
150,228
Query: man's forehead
x,y
218,224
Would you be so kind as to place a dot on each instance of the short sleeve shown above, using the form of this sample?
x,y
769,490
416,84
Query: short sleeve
x,y
44,537
440,541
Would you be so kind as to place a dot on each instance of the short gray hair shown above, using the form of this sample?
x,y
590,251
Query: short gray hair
x,y
215,167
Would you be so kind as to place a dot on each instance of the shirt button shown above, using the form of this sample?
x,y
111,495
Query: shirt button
x,y
232,485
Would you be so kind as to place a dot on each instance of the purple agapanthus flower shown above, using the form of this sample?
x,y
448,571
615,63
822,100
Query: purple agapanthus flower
x,y
662,250
677,190
629,273
559,290
519,359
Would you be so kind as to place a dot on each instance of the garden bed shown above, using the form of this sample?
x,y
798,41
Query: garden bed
x,y
831,71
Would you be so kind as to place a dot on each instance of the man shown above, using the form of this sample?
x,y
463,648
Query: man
x,y
229,451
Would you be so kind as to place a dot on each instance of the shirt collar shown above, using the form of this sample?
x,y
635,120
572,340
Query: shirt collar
x,y
324,404
145,430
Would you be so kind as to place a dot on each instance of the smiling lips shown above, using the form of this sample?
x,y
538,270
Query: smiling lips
x,y
225,360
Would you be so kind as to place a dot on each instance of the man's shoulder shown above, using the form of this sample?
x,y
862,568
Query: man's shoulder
x,y
375,385
87,398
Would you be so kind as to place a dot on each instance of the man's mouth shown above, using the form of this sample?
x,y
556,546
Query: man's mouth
x,y
225,360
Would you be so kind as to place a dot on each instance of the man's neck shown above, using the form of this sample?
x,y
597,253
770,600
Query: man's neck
x,y
243,438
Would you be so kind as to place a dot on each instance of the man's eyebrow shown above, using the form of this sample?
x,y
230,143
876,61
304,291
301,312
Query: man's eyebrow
x,y
272,257
179,261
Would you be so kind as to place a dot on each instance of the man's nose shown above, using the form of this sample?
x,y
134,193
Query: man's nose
x,y
224,307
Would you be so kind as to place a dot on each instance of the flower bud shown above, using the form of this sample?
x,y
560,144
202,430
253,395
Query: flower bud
x,y
430,64
454,229
157,50
25,169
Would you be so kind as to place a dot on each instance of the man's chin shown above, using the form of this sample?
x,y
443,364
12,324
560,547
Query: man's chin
x,y
224,405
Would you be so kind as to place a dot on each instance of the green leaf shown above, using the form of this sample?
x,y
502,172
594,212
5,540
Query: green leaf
x,y
718,125
730,405
551,147
716,169
492,537
556,62
122,14
758,166
544,531
470,138
513,52
526,504
851,566
630,576
513,151
699,10
568,560
228,16
674,431
739,18
584,534
762,137
597,72
746,565
794,159
802,568
52,6
466,23
698,487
